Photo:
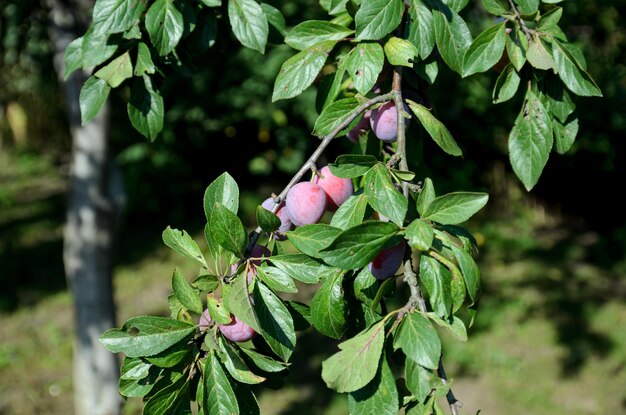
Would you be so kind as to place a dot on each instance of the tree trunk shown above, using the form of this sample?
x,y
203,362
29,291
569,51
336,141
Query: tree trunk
x,y
93,203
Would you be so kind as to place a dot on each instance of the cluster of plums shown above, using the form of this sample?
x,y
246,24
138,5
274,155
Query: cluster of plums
x,y
306,203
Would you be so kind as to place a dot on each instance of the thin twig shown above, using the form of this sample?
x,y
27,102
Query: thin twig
x,y
518,16
453,402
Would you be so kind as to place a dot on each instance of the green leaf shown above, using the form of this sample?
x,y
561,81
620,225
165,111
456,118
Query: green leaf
x,y
530,141
437,131
506,85
572,74
96,48
263,362
557,100
456,5
418,380
426,196
134,369
312,32
301,267
400,52
469,269
349,166
146,336
428,69
550,19
132,388
538,54
248,23
93,95
206,282
357,363
133,33
212,3
275,321
114,16
118,70
527,6
223,191
299,71
311,239
351,212
172,399
237,300
173,356
437,282
144,60
364,64
218,397
377,18
145,108
334,7
330,87
497,7
421,32
268,221
455,207
236,366
565,134
419,340
485,51
275,18
379,397
333,115
452,36
217,311
365,286
383,196
456,328
228,231
165,25
277,279
356,247
73,57
181,242
328,308
185,293
420,235
516,48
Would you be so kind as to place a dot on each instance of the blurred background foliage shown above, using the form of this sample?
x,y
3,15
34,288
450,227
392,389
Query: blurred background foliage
x,y
553,261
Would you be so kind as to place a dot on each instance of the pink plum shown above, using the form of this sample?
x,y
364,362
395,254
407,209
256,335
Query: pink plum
x,y
387,261
285,222
384,122
236,330
337,189
305,203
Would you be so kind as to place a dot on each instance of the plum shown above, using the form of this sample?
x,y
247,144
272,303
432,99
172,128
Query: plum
x,y
236,330
387,261
384,122
337,189
305,203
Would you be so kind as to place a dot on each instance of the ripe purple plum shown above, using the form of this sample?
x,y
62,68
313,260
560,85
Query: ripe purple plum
x,y
236,330
305,203
387,261
337,189
285,222
384,122
360,128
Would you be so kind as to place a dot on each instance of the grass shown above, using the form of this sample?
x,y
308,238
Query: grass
x,y
549,337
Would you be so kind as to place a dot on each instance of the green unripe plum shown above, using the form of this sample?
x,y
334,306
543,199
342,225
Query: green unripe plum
x,y
387,261
384,122
337,189
236,330
305,203
285,222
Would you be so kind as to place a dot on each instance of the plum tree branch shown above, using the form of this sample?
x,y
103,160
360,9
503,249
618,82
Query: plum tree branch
x,y
254,236
528,32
